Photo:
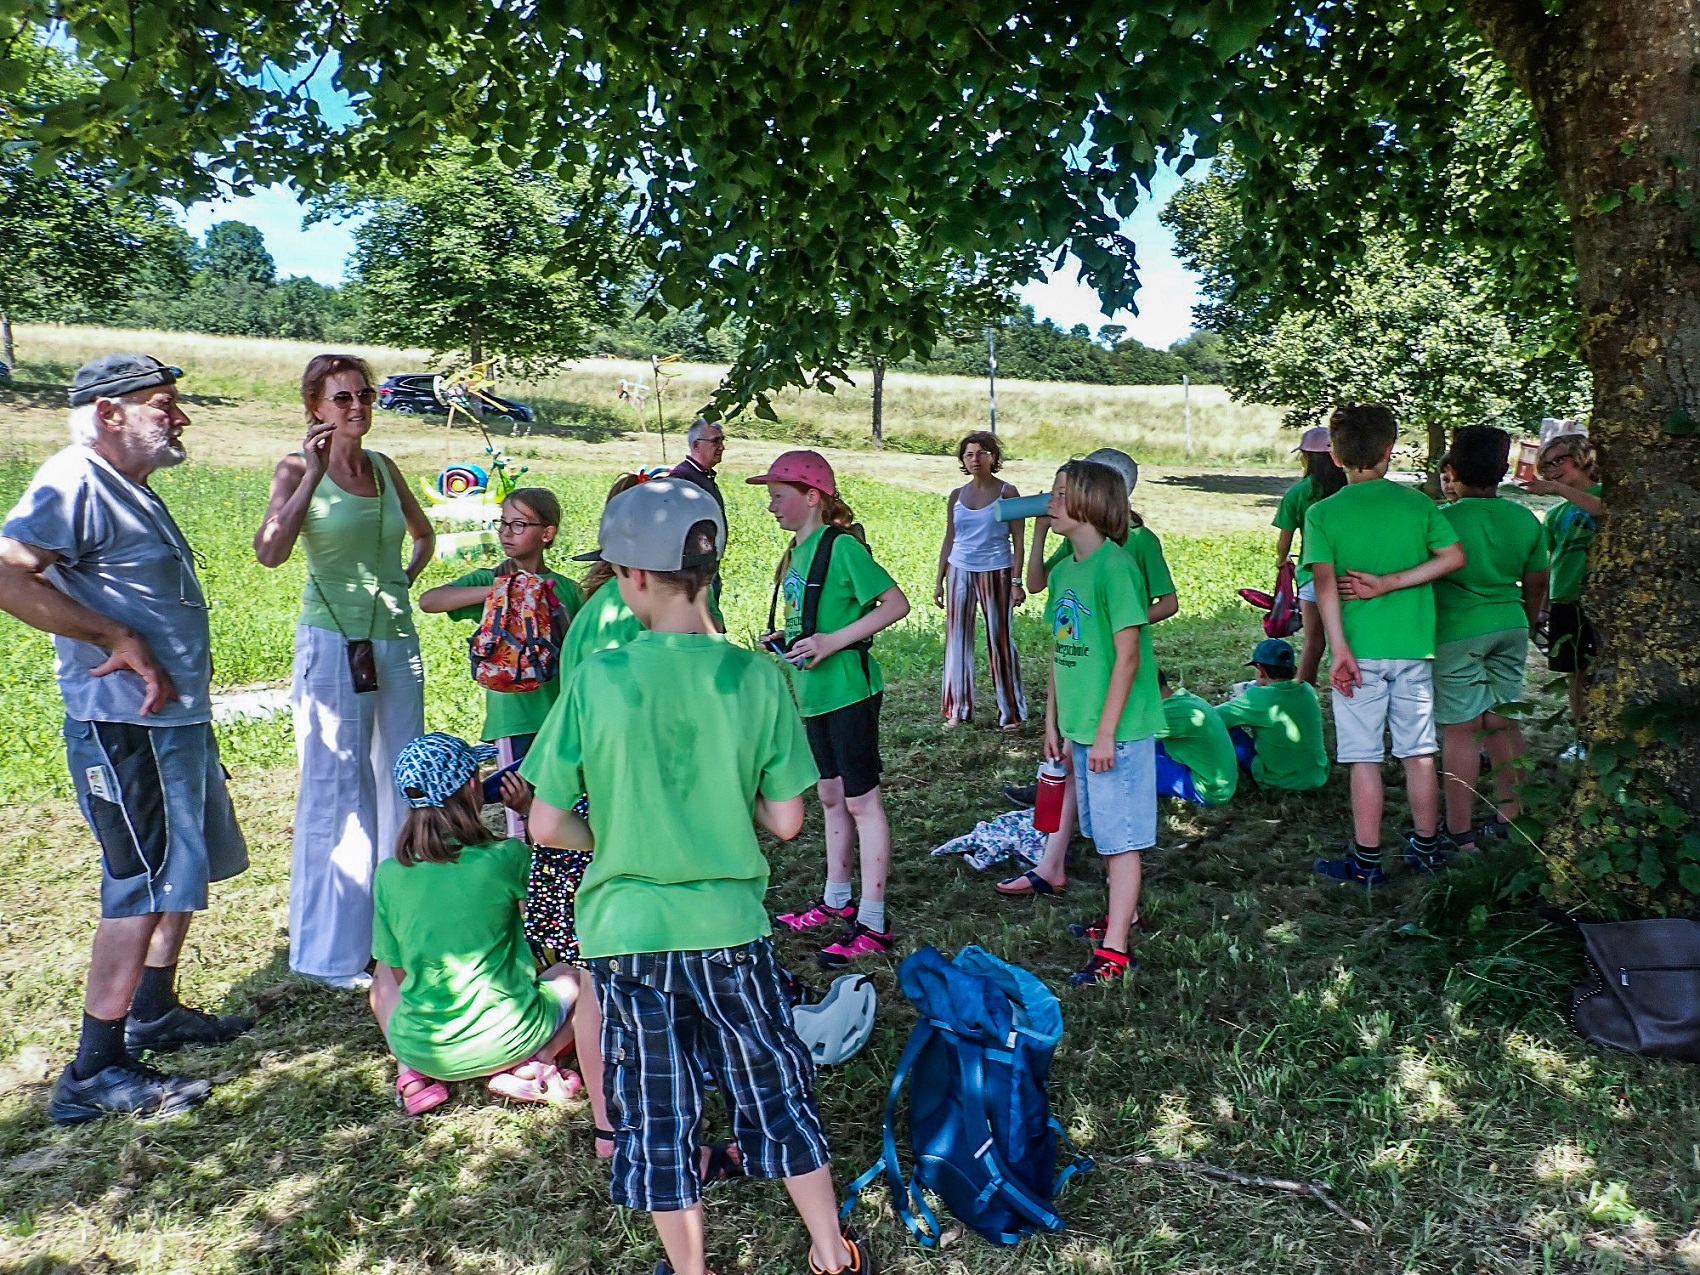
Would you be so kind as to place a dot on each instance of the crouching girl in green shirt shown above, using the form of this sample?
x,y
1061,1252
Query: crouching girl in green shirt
x,y
455,990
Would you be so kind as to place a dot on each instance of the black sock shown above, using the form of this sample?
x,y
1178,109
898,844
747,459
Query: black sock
x,y
156,993
1425,845
101,1046
1367,856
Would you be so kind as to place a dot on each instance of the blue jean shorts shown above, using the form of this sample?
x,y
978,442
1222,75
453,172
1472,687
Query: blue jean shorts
x,y
156,799
1118,807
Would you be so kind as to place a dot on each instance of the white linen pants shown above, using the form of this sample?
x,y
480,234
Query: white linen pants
x,y
347,811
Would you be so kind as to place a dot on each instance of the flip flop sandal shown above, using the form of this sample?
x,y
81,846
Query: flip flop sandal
x,y
416,1093
722,1164
546,1086
1028,883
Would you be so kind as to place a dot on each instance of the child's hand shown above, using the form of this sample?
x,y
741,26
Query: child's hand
x,y
810,651
506,567
1055,749
938,595
1102,755
1362,585
516,794
1539,486
1343,673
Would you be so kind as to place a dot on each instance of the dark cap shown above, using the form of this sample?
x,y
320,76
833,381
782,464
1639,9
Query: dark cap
x,y
113,374
1274,653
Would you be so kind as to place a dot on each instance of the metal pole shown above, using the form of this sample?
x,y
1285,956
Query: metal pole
x,y
992,374
1186,408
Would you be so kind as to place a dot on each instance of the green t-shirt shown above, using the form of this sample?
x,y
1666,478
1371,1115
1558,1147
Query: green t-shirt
x,y
1197,739
471,1002
1503,542
1087,603
509,713
671,737
853,581
1290,516
603,622
1145,549
1285,721
1568,531
1381,527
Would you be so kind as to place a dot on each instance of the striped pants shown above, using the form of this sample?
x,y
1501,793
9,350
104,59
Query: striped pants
x,y
991,592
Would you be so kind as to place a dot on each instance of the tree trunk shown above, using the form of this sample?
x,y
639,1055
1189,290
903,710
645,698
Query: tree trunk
x,y
1616,90
8,355
1436,435
475,346
879,404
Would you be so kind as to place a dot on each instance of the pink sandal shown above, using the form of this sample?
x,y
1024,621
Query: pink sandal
x,y
547,1083
416,1093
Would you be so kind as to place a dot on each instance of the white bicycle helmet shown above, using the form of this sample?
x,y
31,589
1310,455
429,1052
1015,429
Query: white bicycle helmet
x,y
838,1026
1119,461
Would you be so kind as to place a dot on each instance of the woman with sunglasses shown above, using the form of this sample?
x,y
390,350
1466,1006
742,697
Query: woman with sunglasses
x,y
358,685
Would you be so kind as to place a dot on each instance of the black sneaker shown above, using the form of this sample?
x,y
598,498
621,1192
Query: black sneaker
x,y
129,1088
183,1026
1022,795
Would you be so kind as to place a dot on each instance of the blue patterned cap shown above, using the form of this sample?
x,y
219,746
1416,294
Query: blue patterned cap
x,y
437,766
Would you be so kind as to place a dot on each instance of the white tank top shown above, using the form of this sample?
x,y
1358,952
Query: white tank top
x,y
981,542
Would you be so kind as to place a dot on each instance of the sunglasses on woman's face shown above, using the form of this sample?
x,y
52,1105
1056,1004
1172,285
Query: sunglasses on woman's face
x,y
342,398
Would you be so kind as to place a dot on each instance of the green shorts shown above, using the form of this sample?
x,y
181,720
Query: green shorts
x,y
1473,675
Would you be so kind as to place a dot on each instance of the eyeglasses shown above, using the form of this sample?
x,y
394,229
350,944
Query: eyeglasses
x,y
342,398
518,524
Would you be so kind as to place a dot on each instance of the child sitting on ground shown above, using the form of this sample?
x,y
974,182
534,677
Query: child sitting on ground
x,y
1376,548
1275,723
531,518
682,743
455,990
1195,758
1483,614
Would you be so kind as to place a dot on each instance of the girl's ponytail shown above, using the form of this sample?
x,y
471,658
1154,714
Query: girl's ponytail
x,y
833,510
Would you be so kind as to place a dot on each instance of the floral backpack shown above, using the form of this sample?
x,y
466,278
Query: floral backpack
x,y
518,643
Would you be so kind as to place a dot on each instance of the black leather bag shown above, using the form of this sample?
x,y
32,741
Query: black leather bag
x,y
1645,993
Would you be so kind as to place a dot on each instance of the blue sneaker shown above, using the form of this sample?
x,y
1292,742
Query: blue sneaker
x,y
1425,860
1349,869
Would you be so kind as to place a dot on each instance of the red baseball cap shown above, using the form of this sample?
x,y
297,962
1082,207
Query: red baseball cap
x,y
810,469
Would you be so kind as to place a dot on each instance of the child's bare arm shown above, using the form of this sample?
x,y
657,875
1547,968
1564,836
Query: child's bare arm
x,y
1361,584
784,819
1343,665
1283,545
1535,595
557,828
1162,608
890,607
451,597
1102,755
1036,581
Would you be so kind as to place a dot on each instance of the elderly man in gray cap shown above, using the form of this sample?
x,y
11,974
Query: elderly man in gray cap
x,y
91,555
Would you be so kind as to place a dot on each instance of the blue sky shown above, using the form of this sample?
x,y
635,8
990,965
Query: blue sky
x,y
1165,301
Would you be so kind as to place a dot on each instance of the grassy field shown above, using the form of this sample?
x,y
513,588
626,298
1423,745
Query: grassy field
x,y
925,414
1279,1026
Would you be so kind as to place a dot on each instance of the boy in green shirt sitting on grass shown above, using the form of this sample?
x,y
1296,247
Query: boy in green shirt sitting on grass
x,y
1376,548
1276,723
682,744
1195,757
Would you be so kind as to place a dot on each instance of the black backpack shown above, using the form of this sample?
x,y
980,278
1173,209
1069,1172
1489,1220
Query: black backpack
x,y
812,590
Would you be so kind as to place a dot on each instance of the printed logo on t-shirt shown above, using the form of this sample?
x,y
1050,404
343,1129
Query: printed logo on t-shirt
x,y
1574,520
1066,622
791,590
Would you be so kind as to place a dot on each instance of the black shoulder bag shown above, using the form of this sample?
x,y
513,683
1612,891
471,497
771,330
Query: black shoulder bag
x,y
1644,996
811,598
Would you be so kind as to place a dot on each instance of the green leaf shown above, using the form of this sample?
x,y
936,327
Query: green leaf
x,y
1607,200
1688,876
1651,870
1680,422
1626,148
1638,193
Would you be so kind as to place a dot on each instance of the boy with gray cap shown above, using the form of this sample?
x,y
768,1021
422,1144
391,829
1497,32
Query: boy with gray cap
x,y
91,555
683,743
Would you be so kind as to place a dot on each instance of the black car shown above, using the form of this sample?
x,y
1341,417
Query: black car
x,y
415,394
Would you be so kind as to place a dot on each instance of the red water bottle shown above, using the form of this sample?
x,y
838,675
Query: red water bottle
x,y
1048,802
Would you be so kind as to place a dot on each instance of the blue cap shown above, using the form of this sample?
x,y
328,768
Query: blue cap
x,y
1274,653
437,766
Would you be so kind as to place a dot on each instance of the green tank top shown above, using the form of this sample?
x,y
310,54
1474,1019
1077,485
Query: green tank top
x,y
355,582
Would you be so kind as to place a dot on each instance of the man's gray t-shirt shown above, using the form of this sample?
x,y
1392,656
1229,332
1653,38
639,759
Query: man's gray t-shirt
x,y
122,555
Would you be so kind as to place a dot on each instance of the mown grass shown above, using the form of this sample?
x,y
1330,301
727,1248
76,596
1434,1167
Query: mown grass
x,y
925,414
1279,1026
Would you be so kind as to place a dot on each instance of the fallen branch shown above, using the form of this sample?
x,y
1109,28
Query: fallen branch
x,y
1314,1190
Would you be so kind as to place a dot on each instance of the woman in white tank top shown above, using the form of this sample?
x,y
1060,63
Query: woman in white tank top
x,y
977,570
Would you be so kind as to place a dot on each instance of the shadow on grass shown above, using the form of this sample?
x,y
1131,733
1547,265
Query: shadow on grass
x,y
45,394
1273,486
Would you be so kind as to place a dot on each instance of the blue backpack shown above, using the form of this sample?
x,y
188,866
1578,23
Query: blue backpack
x,y
980,1125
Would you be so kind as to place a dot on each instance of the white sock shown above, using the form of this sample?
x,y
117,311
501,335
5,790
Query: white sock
x,y
836,894
872,915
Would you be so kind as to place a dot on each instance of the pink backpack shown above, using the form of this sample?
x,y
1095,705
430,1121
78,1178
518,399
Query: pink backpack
x,y
1284,617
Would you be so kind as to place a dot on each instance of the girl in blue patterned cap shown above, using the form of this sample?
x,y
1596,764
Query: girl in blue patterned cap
x,y
455,989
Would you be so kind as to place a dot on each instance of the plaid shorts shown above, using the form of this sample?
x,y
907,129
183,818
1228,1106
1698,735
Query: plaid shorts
x,y
667,1019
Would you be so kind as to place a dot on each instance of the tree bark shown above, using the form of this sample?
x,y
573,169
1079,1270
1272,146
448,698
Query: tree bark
x,y
8,355
879,404
1615,86
1435,432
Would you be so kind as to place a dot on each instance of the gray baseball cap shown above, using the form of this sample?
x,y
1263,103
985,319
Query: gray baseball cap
x,y
645,527
1119,461
113,374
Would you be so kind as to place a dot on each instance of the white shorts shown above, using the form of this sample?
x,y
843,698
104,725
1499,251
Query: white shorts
x,y
1397,698
1307,591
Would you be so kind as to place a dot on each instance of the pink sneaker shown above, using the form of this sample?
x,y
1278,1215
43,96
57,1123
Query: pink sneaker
x,y
816,915
856,941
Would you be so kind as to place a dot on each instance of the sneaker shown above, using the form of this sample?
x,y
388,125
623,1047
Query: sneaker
x,y
816,915
1349,869
183,1026
123,1088
1093,931
1021,795
861,1260
1425,860
1106,966
1493,830
1574,755
858,940
361,982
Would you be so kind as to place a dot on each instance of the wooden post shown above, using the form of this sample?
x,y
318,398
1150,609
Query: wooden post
x,y
879,404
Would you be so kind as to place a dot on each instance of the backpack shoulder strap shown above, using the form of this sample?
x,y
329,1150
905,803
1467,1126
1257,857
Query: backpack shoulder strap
x,y
999,1181
817,578
904,1198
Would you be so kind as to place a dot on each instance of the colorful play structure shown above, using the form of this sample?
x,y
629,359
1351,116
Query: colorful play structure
x,y
465,500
